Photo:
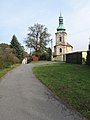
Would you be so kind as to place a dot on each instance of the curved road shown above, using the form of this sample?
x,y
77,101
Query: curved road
x,y
23,97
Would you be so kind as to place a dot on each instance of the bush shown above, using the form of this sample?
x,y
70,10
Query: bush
x,y
7,57
45,56
29,59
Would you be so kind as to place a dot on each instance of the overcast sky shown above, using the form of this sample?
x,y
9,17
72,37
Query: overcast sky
x,y
17,15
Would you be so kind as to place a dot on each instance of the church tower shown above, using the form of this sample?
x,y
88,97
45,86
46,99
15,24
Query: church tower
x,y
62,46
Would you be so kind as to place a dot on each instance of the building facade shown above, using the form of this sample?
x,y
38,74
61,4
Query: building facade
x,y
78,57
62,47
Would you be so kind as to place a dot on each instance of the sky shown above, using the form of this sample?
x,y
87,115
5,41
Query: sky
x,y
17,15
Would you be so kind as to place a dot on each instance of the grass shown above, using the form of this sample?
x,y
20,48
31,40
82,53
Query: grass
x,y
6,70
70,82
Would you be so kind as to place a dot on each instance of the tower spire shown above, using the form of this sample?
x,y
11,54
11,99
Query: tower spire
x,y
61,27
60,14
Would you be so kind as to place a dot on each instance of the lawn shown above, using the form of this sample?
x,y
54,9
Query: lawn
x,y
6,70
70,82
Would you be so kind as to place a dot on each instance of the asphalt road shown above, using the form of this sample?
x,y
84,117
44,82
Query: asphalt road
x,y
23,97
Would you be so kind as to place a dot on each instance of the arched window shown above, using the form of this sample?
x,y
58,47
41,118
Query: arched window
x,y
60,50
60,39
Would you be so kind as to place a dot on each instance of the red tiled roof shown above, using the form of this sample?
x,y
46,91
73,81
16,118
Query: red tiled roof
x,y
69,45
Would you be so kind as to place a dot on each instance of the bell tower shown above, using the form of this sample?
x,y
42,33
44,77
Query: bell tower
x,y
61,47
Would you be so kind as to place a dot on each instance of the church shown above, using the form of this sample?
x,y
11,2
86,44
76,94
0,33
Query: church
x,y
62,47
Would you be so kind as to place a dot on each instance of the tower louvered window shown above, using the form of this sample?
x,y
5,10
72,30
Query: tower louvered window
x,y
60,39
60,50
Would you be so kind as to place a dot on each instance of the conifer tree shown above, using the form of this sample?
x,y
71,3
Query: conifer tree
x,y
18,49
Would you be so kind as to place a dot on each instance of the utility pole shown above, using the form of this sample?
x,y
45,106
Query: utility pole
x,y
51,50
89,44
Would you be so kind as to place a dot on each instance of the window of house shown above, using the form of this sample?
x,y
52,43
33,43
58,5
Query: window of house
x,y
60,39
60,50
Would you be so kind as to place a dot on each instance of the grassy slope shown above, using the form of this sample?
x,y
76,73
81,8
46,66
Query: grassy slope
x,y
70,82
5,70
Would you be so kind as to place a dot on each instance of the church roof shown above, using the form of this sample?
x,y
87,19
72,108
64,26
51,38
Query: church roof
x,y
69,45
61,28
